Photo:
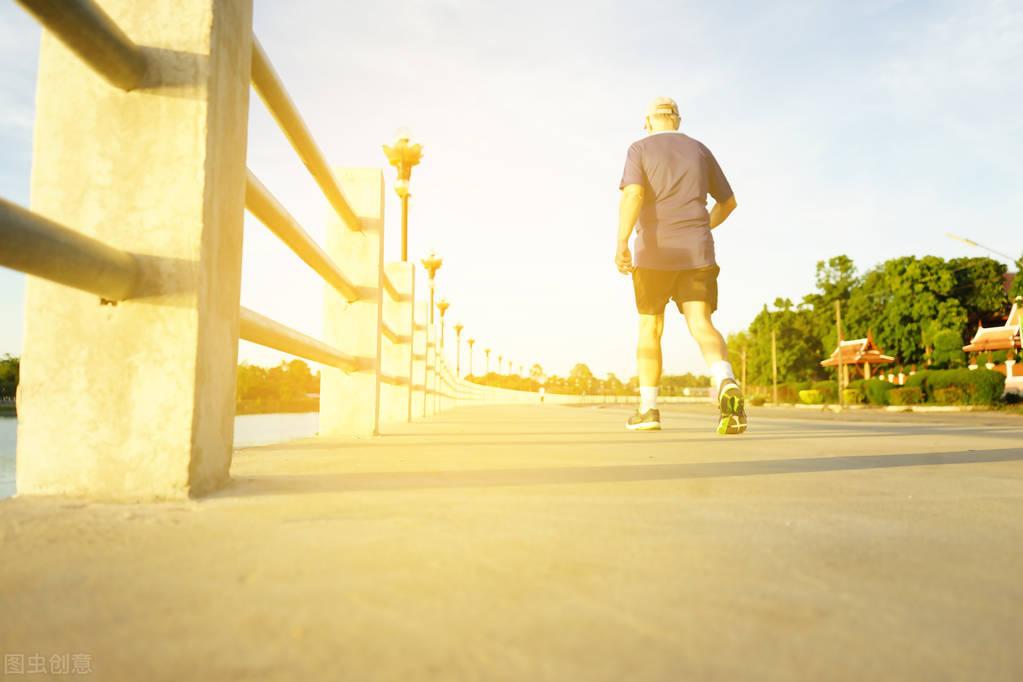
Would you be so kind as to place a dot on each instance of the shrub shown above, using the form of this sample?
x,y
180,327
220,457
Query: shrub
x,y
811,397
788,393
852,396
948,349
908,395
757,400
919,380
950,395
828,389
877,391
979,386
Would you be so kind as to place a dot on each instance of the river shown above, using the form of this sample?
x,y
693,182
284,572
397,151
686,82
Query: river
x,y
249,430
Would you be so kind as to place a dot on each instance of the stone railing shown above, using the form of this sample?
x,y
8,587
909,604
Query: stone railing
x,y
134,244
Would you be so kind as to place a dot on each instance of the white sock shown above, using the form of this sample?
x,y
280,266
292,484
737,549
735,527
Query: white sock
x,y
647,398
719,371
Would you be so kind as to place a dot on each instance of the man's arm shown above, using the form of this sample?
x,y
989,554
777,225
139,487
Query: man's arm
x,y
721,211
628,214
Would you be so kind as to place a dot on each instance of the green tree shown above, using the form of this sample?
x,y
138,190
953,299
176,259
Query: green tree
x,y
799,348
948,350
835,280
10,371
899,299
1017,281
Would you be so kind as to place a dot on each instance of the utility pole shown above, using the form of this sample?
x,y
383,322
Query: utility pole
x,y
841,359
743,369
774,366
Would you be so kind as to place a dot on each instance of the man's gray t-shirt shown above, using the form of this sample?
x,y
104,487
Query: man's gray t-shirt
x,y
676,173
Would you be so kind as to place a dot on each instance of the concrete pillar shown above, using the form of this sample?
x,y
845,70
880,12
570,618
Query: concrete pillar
x,y
421,309
136,401
350,401
396,358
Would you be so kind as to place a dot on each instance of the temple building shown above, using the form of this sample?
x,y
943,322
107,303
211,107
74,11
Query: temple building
x,y
858,353
1007,338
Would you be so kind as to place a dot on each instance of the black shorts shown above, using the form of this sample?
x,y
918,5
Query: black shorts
x,y
654,288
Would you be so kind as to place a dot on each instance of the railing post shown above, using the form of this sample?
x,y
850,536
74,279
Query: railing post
x,y
396,358
419,359
431,370
350,401
137,400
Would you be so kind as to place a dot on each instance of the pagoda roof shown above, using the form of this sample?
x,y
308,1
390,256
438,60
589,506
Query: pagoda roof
x,y
858,352
999,338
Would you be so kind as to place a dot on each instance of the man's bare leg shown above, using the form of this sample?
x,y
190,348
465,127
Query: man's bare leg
x,y
648,351
725,390
711,343
648,361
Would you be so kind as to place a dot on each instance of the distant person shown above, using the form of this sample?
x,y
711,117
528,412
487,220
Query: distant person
x,y
541,394
667,178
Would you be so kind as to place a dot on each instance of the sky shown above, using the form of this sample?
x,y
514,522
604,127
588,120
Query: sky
x,y
868,129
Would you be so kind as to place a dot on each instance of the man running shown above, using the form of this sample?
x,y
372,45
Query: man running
x,y
667,178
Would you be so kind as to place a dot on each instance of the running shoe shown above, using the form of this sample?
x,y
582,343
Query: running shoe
x,y
733,412
647,421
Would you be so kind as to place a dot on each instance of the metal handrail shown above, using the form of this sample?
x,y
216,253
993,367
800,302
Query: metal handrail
x,y
266,332
271,90
89,32
265,207
38,246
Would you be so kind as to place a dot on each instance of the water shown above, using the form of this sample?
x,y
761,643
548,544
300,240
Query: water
x,y
249,430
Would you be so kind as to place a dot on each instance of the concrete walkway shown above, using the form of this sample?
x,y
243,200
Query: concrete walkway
x,y
545,543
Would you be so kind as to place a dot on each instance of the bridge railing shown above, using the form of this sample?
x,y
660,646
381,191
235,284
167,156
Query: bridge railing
x,y
139,187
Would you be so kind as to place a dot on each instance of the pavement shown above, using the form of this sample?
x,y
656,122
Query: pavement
x,y
546,543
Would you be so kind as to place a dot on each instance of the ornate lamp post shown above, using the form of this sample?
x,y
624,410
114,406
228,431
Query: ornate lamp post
x,y
432,264
442,306
487,352
403,156
472,342
458,349
500,363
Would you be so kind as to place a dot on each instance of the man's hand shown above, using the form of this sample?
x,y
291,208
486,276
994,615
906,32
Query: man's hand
x,y
623,258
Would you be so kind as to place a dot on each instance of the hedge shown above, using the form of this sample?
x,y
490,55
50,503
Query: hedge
x,y
876,391
908,395
828,389
979,386
853,396
811,397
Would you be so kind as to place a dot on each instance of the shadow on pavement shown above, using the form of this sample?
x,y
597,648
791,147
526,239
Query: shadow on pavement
x,y
427,480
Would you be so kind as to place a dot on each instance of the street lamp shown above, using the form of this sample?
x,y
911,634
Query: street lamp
x,y
442,306
487,352
458,349
403,156
500,363
970,242
472,342
432,264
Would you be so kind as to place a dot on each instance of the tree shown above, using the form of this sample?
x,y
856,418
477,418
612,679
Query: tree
x,y
580,377
799,348
900,298
536,373
948,350
10,371
835,279
1017,281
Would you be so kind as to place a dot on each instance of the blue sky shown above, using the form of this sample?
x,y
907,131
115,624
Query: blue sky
x,y
866,128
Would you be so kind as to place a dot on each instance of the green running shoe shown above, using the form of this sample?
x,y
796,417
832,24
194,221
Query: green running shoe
x,y
733,412
647,421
